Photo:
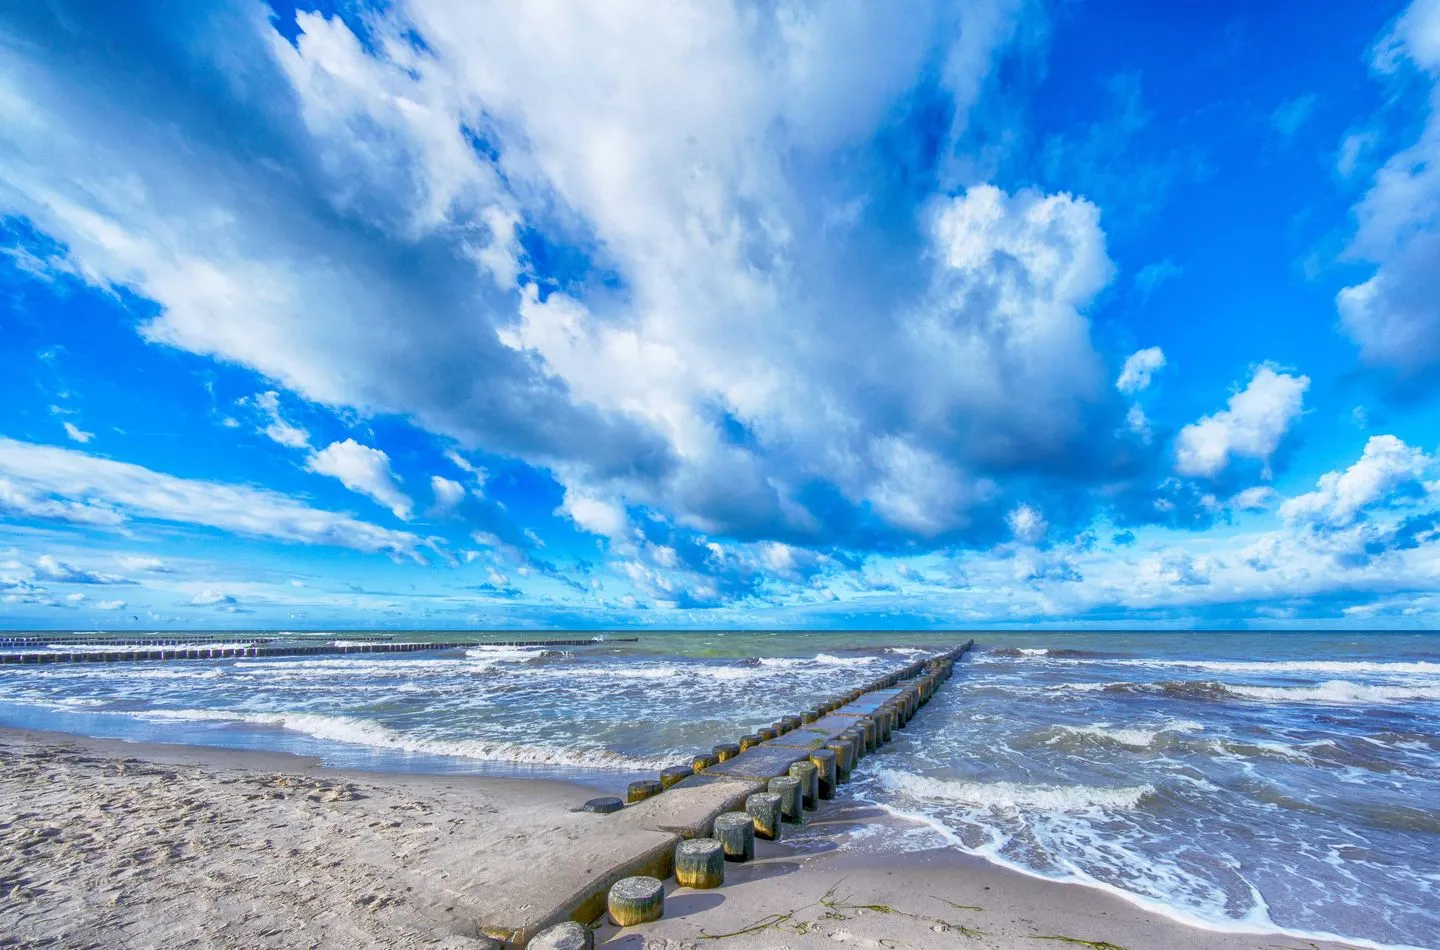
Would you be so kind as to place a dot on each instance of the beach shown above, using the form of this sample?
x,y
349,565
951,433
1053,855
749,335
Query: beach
x,y
118,844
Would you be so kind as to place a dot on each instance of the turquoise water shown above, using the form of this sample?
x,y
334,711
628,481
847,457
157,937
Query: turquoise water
x,y
1235,779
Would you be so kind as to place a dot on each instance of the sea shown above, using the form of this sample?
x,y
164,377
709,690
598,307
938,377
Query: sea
x,y
1237,781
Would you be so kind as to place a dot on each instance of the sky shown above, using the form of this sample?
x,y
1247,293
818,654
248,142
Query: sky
x,y
1003,313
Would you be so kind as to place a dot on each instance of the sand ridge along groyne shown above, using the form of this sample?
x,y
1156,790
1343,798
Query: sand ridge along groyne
x,y
242,647
562,870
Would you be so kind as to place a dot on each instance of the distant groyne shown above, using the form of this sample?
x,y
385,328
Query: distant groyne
x,y
146,649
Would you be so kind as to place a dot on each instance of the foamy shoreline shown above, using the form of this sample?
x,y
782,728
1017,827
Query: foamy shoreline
x,y
116,844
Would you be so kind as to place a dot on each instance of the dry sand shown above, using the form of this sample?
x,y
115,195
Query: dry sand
x,y
109,844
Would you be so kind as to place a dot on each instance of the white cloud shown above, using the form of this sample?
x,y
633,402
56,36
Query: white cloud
x,y
1394,316
1251,428
597,515
277,428
1139,367
694,162
110,605
40,481
49,568
1385,467
144,563
77,434
1027,524
364,470
213,598
1257,498
448,493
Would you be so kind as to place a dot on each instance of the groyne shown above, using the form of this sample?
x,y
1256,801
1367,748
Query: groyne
x,y
191,650
546,876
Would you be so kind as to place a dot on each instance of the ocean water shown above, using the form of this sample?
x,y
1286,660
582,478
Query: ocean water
x,y
1232,780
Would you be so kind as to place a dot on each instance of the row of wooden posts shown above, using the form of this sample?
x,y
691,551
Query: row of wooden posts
x,y
265,650
700,862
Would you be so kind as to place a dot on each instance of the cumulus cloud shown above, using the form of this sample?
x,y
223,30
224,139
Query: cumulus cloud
x,y
1388,470
215,598
110,605
364,470
1252,426
596,515
447,493
1139,367
1027,524
696,354
45,482
1394,316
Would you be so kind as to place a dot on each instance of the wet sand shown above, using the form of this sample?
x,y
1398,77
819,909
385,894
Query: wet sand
x,y
110,844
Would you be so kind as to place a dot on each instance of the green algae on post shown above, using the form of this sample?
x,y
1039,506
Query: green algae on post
x,y
764,810
566,936
636,900
700,863
735,830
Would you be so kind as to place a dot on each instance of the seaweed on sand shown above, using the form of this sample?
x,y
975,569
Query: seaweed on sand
x,y
1092,944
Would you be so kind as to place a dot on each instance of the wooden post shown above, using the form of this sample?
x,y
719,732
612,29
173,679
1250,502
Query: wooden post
x,y
700,863
843,752
809,778
702,762
604,806
753,739
674,774
726,751
636,900
735,831
566,936
639,791
764,811
824,762
792,800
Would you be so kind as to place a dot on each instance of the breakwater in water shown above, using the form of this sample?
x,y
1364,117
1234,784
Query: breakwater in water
x,y
681,823
186,649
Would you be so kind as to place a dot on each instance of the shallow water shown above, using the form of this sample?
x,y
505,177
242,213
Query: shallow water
x,y
1268,780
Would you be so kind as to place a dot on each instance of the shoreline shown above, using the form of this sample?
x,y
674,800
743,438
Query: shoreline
x,y
403,883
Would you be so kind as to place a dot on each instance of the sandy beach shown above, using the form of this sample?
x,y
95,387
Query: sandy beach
x,y
110,844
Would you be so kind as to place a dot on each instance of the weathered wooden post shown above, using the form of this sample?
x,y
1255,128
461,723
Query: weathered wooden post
x,y
792,802
566,936
674,774
809,777
636,900
843,753
750,741
700,863
824,762
702,762
764,810
726,751
639,791
735,831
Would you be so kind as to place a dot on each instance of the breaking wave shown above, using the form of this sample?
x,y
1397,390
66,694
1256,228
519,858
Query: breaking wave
x,y
366,732
1332,692
1013,795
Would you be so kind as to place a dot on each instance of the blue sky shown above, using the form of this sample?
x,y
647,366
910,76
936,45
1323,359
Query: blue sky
x,y
1003,313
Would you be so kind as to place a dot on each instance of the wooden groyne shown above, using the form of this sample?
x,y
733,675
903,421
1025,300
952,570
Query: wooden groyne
x,y
191,651
554,875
